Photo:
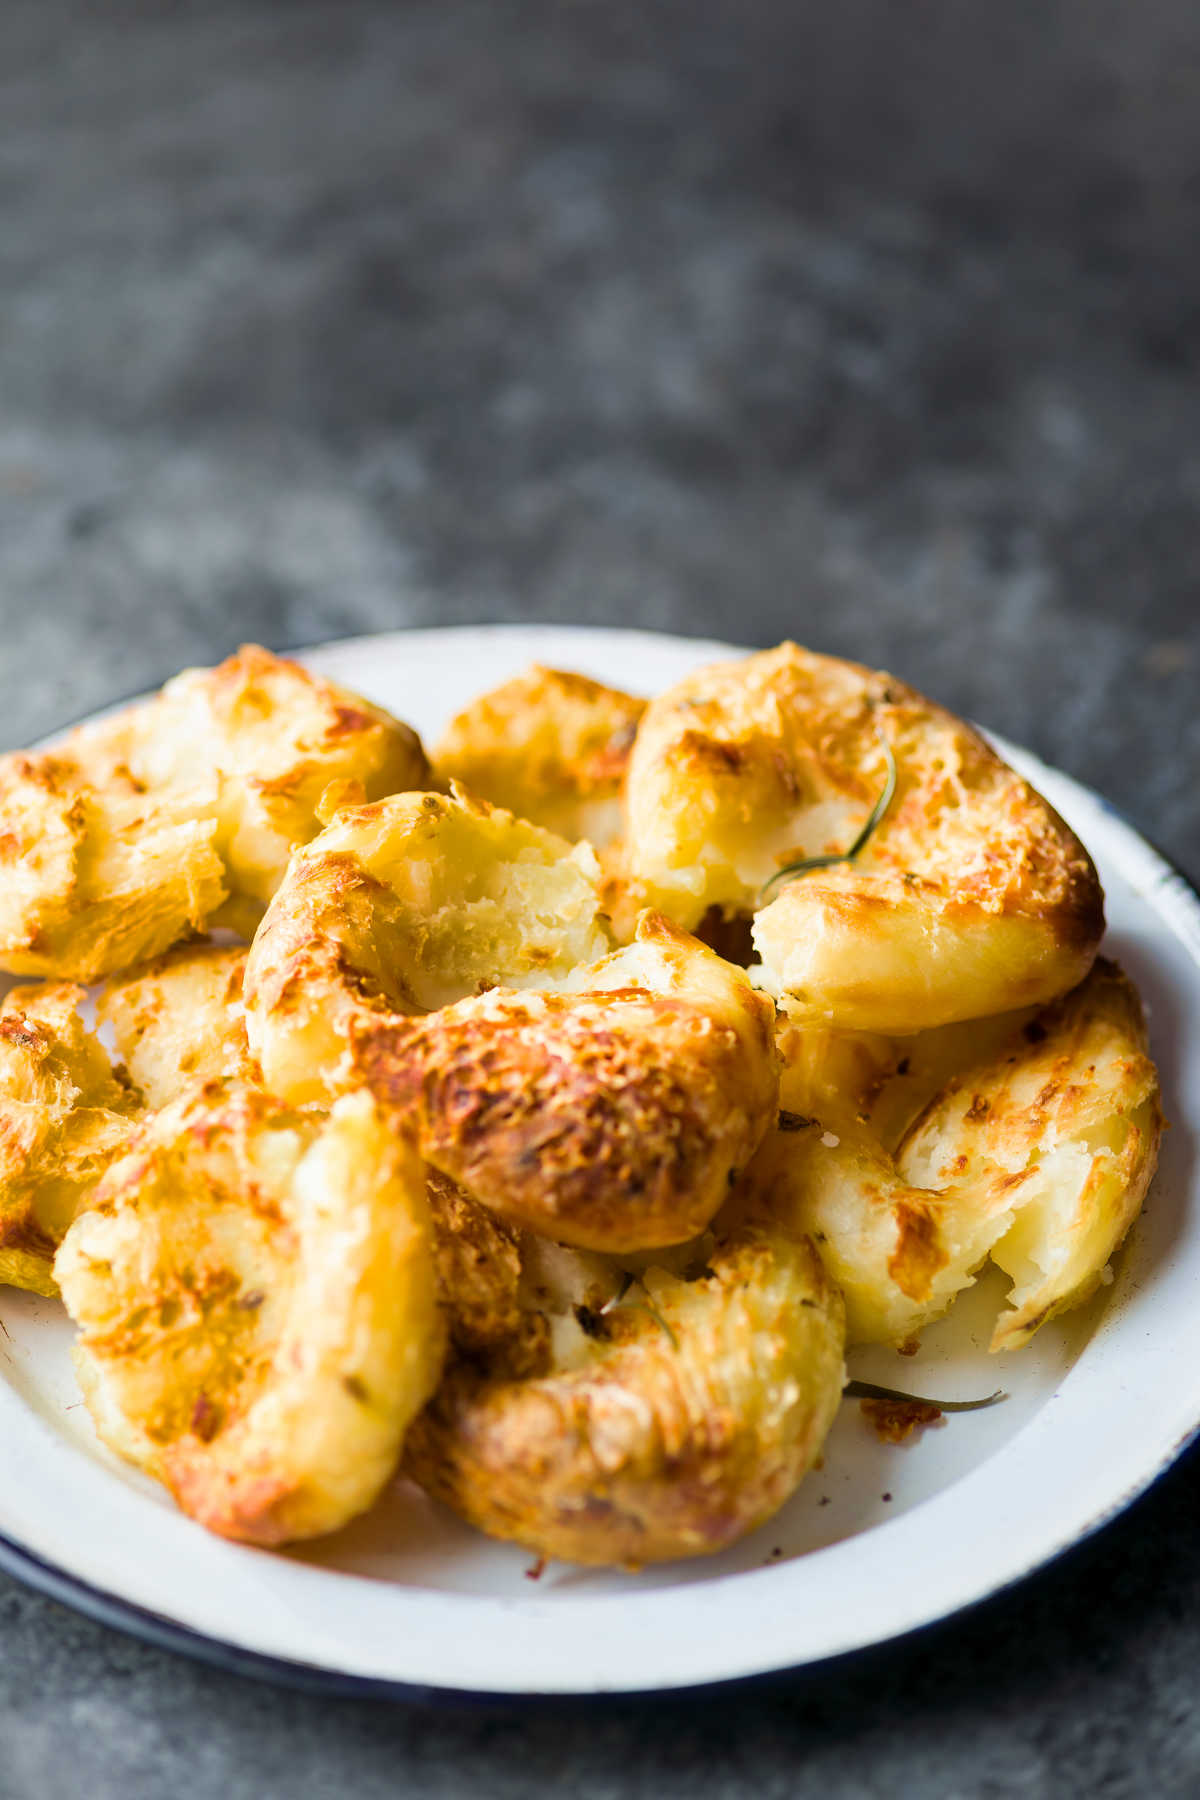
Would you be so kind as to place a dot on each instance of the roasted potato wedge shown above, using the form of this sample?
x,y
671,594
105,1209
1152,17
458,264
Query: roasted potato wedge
x,y
643,1421
404,907
970,896
549,746
257,1304
1037,1152
615,1117
141,829
64,1115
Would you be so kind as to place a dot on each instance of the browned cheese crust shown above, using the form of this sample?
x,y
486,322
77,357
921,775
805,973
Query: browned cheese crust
x,y
971,895
615,1121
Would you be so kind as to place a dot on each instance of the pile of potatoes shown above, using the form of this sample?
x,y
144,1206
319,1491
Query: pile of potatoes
x,y
540,1120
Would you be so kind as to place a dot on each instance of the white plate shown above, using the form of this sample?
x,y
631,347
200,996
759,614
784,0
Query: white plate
x,y
878,1541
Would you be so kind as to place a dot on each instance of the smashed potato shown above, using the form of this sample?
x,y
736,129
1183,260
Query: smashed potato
x,y
257,1305
94,874
643,1421
279,738
64,1115
179,1019
143,828
615,1117
475,1163
970,896
549,746
1037,1153
403,907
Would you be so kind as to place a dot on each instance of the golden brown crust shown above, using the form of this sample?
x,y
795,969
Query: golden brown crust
x,y
283,741
402,907
179,1019
64,1115
1068,1129
971,895
669,1426
257,1303
94,872
549,746
616,1118
142,829
593,1121
478,1260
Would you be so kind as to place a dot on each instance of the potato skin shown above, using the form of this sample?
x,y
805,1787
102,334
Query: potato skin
x,y
682,1427
616,1118
1037,1151
258,1311
144,828
549,746
64,1115
972,896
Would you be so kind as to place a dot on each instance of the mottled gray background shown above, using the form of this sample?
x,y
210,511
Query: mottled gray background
x,y
876,324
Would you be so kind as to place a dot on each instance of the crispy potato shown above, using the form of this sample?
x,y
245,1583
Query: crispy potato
x,y
643,1422
279,739
94,873
478,1262
64,1115
1038,1152
181,810
860,1078
180,1019
615,1117
256,1296
404,907
549,746
970,897
1070,1133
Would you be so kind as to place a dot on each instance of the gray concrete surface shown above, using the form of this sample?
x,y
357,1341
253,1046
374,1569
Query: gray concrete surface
x,y
875,325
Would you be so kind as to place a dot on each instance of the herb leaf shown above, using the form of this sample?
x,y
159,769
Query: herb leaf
x,y
875,817
867,1390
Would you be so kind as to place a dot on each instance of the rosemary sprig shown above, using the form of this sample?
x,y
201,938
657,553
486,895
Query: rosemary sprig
x,y
808,863
867,1390
647,1306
